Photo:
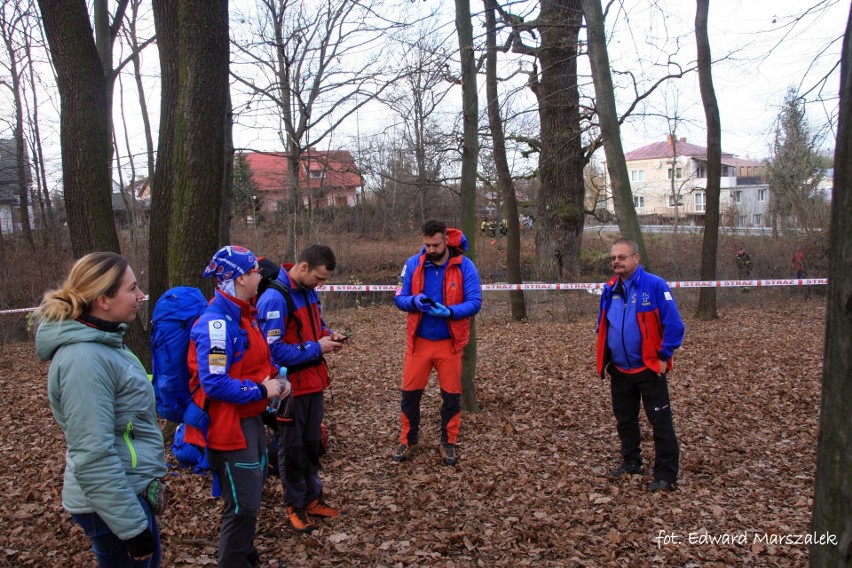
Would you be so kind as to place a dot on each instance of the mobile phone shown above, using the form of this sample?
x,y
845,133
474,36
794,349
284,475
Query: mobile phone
x,y
344,338
430,301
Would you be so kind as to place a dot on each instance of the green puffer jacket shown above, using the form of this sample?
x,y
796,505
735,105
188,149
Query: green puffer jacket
x,y
102,399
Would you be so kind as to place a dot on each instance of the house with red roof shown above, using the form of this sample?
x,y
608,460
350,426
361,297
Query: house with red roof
x,y
326,178
668,180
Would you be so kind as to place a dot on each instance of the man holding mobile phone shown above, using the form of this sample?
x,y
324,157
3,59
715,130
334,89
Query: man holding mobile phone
x,y
440,290
290,317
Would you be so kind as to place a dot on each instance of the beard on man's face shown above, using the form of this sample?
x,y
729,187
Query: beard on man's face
x,y
435,256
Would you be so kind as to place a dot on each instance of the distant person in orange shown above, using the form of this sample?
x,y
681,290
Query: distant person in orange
x,y
800,266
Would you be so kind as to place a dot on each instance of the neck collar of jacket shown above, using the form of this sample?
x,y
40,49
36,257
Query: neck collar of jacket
x,y
102,324
232,305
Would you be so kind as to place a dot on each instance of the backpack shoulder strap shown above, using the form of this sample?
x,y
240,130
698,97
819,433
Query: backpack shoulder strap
x,y
291,308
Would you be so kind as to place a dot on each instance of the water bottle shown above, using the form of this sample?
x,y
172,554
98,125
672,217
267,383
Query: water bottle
x,y
275,403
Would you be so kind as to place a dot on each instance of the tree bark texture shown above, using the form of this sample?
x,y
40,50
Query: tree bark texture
x,y
504,176
559,226
85,136
622,193
162,186
470,157
198,33
707,296
833,486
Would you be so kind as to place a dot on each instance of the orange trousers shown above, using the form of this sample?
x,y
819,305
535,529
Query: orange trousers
x,y
418,364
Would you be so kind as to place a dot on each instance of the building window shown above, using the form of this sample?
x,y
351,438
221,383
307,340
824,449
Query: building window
x,y
741,221
700,202
756,218
761,195
637,175
737,196
639,201
316,174
672,201
701,172
678,173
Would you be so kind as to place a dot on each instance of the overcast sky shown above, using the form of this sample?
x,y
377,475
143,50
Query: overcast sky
x,y
760,48
765,47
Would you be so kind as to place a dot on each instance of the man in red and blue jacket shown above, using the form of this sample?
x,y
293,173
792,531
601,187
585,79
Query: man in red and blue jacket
x,y
639,327
298,339
440,290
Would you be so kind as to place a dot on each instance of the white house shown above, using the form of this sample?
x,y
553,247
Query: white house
x,y
668,181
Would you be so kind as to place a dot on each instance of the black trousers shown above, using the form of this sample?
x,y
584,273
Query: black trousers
x,y
299,448
653,392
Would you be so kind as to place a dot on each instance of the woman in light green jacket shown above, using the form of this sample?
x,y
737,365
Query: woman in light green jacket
x,y
102,399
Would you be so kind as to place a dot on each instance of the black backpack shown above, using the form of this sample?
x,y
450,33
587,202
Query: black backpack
x,y
269,270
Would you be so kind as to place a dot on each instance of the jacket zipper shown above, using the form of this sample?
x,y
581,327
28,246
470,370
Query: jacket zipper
x,y
128,439
623,316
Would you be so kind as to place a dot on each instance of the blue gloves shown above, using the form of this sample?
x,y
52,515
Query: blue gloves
x,y
423,303
440,311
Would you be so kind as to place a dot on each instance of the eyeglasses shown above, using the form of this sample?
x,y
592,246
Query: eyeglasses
x,y
253,270
622,257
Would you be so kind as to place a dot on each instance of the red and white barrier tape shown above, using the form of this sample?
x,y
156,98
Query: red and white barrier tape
x,y
590,286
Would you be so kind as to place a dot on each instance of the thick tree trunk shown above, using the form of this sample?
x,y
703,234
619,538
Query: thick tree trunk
x,y
192,38
833,492
622,193
199,133
707,296
504,176
84,126
162,186
470,157
559,226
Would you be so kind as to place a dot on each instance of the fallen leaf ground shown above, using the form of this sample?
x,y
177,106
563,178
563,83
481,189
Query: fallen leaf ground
x,y
530,488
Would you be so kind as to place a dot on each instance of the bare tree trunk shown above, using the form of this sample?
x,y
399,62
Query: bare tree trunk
x,y
832,511
21,155
294,198
199,156
38,157
84,126
470,157
140,89
622,193
187,190
227,213
559,226
707,296
504,177
162,186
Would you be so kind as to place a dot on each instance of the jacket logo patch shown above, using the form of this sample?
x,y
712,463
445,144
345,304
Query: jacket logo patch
x,y
668,296
646,299
216,329
274,314
216,363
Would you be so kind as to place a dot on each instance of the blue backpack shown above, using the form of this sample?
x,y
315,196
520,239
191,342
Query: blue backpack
x,y
174,314
187,454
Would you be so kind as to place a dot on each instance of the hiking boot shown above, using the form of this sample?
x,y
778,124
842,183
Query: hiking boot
x,y
300,521
628,467
662,485
404,452
448,454
318,508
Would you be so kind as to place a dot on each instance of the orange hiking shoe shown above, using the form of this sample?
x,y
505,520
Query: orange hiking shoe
x,y
404,452
318,508
300,521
